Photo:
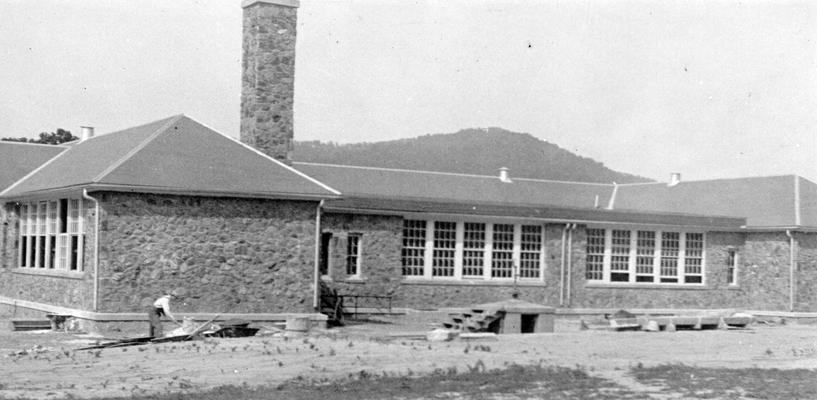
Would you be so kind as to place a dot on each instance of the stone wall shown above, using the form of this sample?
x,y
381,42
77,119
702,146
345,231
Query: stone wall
x,y
229,255
268,78
806,272
73,290
380,244
762,280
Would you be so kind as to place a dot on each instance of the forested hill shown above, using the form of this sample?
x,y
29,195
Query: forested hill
x,y
472,151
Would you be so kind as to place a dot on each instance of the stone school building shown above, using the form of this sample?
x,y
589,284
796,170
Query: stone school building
x,y
100,227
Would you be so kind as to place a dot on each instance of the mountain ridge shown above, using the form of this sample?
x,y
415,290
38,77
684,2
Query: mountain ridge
x,y
481,151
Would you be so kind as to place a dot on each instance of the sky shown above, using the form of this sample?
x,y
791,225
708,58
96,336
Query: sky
x,y
710,89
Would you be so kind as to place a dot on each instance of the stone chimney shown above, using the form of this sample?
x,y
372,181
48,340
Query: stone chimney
x,y
268,76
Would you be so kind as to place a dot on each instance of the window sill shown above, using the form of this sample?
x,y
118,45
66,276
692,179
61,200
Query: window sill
x,y
659,286
470,282
50,272
353,279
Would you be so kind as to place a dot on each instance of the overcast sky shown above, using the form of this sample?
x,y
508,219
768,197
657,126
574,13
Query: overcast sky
x,y
708,89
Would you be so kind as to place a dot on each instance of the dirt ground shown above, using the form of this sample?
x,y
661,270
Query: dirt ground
x,y
44,364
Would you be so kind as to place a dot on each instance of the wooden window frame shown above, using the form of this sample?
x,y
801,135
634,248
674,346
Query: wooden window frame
x,y
469,246
47,242
669,264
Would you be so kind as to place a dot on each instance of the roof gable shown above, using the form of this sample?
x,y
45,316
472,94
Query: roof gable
x,y
19,159
176,155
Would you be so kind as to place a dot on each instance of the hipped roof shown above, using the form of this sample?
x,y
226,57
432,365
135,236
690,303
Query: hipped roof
x,y
385,190
409,184
173,155
766,202
19,159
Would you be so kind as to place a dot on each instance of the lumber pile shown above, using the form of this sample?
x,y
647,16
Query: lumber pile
x,y
669,323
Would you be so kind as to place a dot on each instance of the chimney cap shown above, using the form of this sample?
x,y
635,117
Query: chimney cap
x,y
86,132
503,175
285,3
674,179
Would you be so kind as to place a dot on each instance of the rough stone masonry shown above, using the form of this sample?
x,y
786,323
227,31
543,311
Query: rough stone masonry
x,y
268,79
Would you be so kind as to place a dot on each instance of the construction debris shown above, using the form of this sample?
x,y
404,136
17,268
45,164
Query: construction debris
x,y
441,335
187,331
624,321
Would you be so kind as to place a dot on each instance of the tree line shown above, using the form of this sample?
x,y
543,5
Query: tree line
x,y
60,136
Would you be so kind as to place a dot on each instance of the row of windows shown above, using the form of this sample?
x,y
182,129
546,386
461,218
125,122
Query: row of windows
x,y
638,256
52,234
472,250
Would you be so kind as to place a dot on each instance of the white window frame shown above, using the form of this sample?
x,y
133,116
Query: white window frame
x,y
358,244
657,254
732,269
487,250
40,221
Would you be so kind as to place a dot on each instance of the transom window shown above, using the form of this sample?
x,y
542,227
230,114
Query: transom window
x,y
640,256
472,250
52,235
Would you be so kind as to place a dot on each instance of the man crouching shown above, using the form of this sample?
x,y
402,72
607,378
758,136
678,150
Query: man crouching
x,y
159,308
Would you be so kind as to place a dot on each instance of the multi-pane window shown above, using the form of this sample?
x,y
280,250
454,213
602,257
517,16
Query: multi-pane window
x,y
670,249
23,255
52,234
639,256
445,244
502,252
645,257
414,247
694,258
732,267
620,256
594,270
530,251
353,254
473,249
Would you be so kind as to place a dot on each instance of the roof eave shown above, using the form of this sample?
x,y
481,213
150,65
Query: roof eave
x,y
540,212
780,228
166,190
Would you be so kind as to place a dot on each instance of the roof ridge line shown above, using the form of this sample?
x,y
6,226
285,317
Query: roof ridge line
x,y
558,181
395,169
137,148
446,173
267,156
715,179
34,171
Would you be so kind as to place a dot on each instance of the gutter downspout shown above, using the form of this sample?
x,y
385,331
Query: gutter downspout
x,y
317,280
570,229
791,269
562,268
96,247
